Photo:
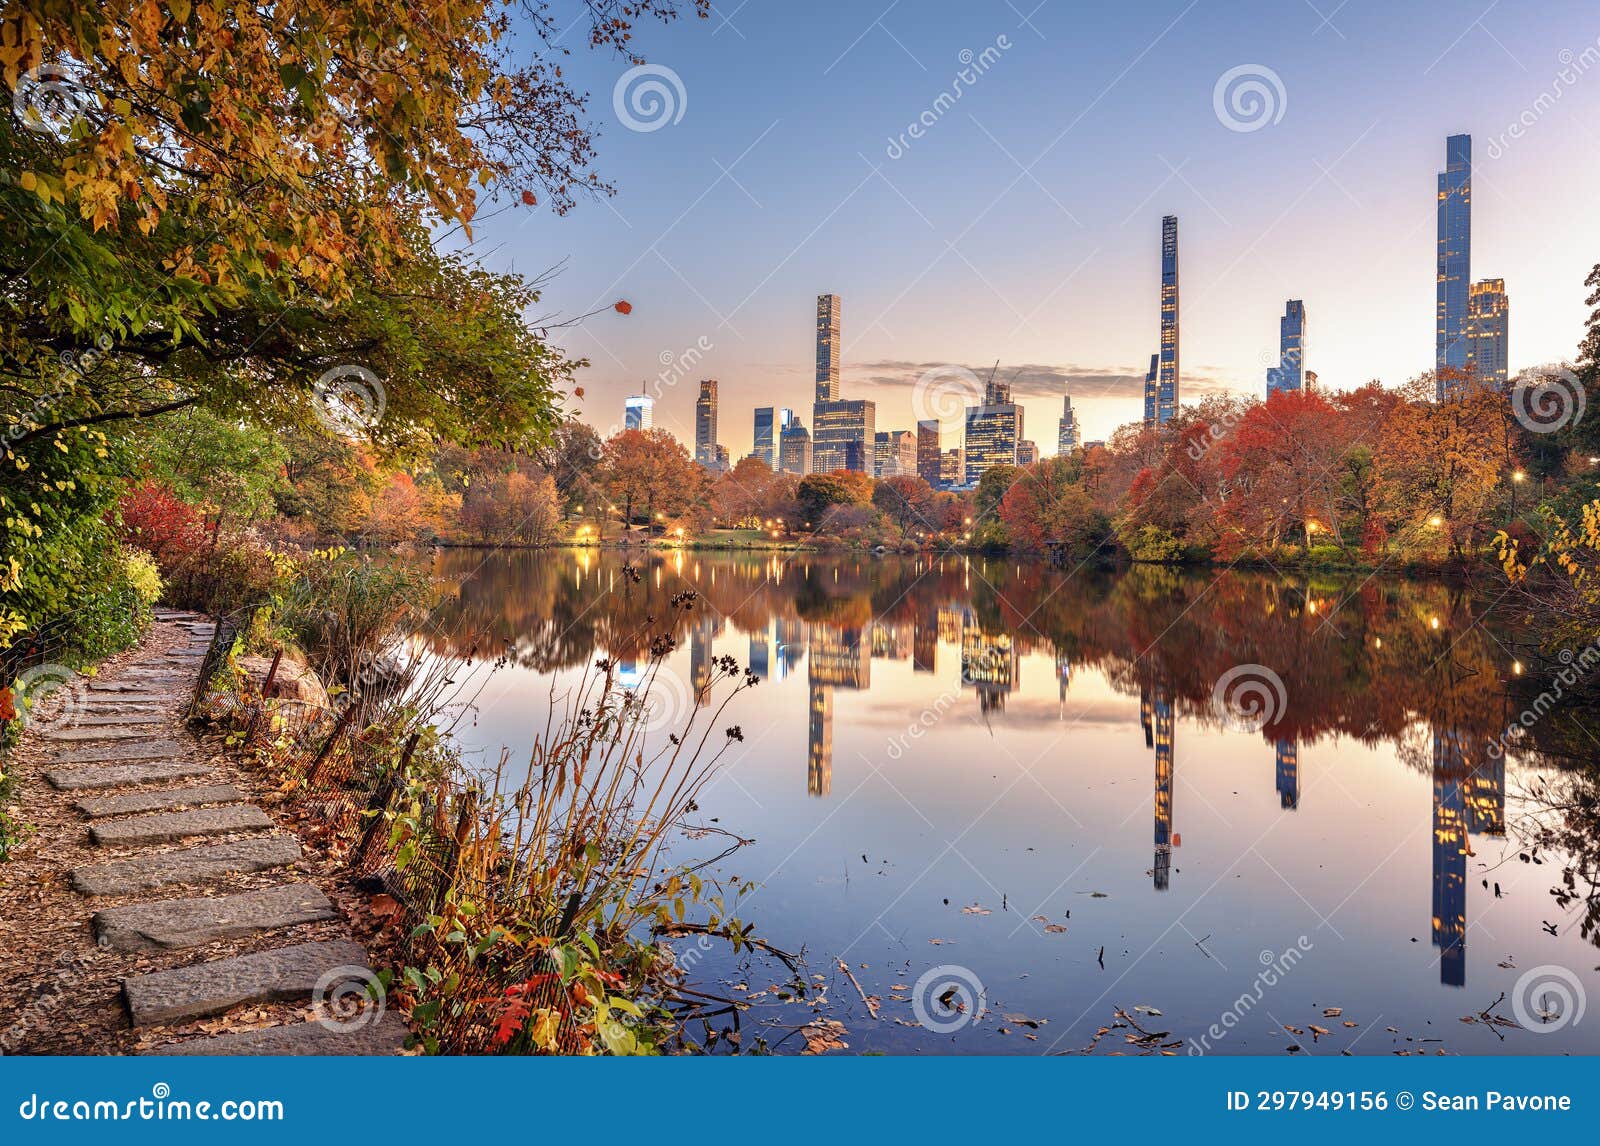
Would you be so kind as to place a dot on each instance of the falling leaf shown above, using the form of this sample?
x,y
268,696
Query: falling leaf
x,y
529,198
623,306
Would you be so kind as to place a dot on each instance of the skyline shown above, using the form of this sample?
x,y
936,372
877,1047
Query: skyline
x,y
1331,203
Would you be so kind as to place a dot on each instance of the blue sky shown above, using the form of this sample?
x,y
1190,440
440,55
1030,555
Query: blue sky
x,y
1024,224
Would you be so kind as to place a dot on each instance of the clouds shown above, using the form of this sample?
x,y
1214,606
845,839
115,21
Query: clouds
x,y
1033,380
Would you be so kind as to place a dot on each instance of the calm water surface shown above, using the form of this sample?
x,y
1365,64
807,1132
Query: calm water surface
x,y
1024,777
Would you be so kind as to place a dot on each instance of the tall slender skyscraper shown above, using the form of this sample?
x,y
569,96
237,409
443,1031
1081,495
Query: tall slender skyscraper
x,y
1067,437
705,424
842,431
1167,389
1488,331
1454,258
830,321
638,412
1289,373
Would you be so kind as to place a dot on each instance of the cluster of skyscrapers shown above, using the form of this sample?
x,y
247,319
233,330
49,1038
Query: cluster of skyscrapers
x,y
1472,324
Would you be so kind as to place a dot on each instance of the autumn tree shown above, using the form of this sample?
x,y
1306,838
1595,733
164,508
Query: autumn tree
x,y
909,502
819,495
649,470
1048,508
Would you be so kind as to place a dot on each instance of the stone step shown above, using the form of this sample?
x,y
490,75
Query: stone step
x,y
117,753
164,827
386,1036
163,800
123,775
119,719
190,865
119,688
175,923
75,733
283,975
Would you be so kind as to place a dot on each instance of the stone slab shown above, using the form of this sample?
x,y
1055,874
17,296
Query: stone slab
x,y
101,776
74,733
118,753
385,1037
283,975
165,827
190,865
120,720
175,923
163,800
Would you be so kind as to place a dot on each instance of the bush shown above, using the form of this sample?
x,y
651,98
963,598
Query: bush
x,y
345,610
1151,543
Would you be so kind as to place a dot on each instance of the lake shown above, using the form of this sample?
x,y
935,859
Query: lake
x,y
1255,813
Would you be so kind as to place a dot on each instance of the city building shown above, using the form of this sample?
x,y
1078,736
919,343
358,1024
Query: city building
x,y
1156,714
842,432
1167,374
1150,390
1067,437
1286,767
928,454
705,424
1027,453
1454,260
794,448
953,468
1311,381
638,412
769,426
894,454
993,430
1289,373
1488,331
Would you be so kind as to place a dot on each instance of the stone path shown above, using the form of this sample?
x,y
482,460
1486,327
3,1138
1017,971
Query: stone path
x,y
182,862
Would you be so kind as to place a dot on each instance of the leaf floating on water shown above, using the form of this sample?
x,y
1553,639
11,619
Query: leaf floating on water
x,y
1144,1010
1054,929
1332,1012
823,1035
976,909
1025,1021
1040,919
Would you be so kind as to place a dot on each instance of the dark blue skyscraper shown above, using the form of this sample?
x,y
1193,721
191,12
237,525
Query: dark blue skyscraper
x,y
1289,373
1167,377
1455,257
1150,390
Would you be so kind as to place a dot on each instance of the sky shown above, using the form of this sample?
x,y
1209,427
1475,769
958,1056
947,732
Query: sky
x,y
1297,141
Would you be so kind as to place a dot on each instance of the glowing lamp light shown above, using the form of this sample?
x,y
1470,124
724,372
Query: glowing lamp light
x,y
1436,521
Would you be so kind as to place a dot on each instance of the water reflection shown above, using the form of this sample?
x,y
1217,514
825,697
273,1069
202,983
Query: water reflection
x,y
1420,671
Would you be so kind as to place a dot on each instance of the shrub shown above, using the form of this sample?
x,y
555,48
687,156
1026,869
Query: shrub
x,y
1151,543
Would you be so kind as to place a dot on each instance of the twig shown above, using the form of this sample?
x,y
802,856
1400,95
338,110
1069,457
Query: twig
x,y
872,1007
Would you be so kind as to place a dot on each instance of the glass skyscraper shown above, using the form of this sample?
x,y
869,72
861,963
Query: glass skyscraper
x,y
1289,373
638,412
1454,258
1167,376
794,448
1150,390
928,450
830,321
769,426
1067,437
993,431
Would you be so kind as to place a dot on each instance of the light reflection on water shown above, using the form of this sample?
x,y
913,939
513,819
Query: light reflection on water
x,y
1001,768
